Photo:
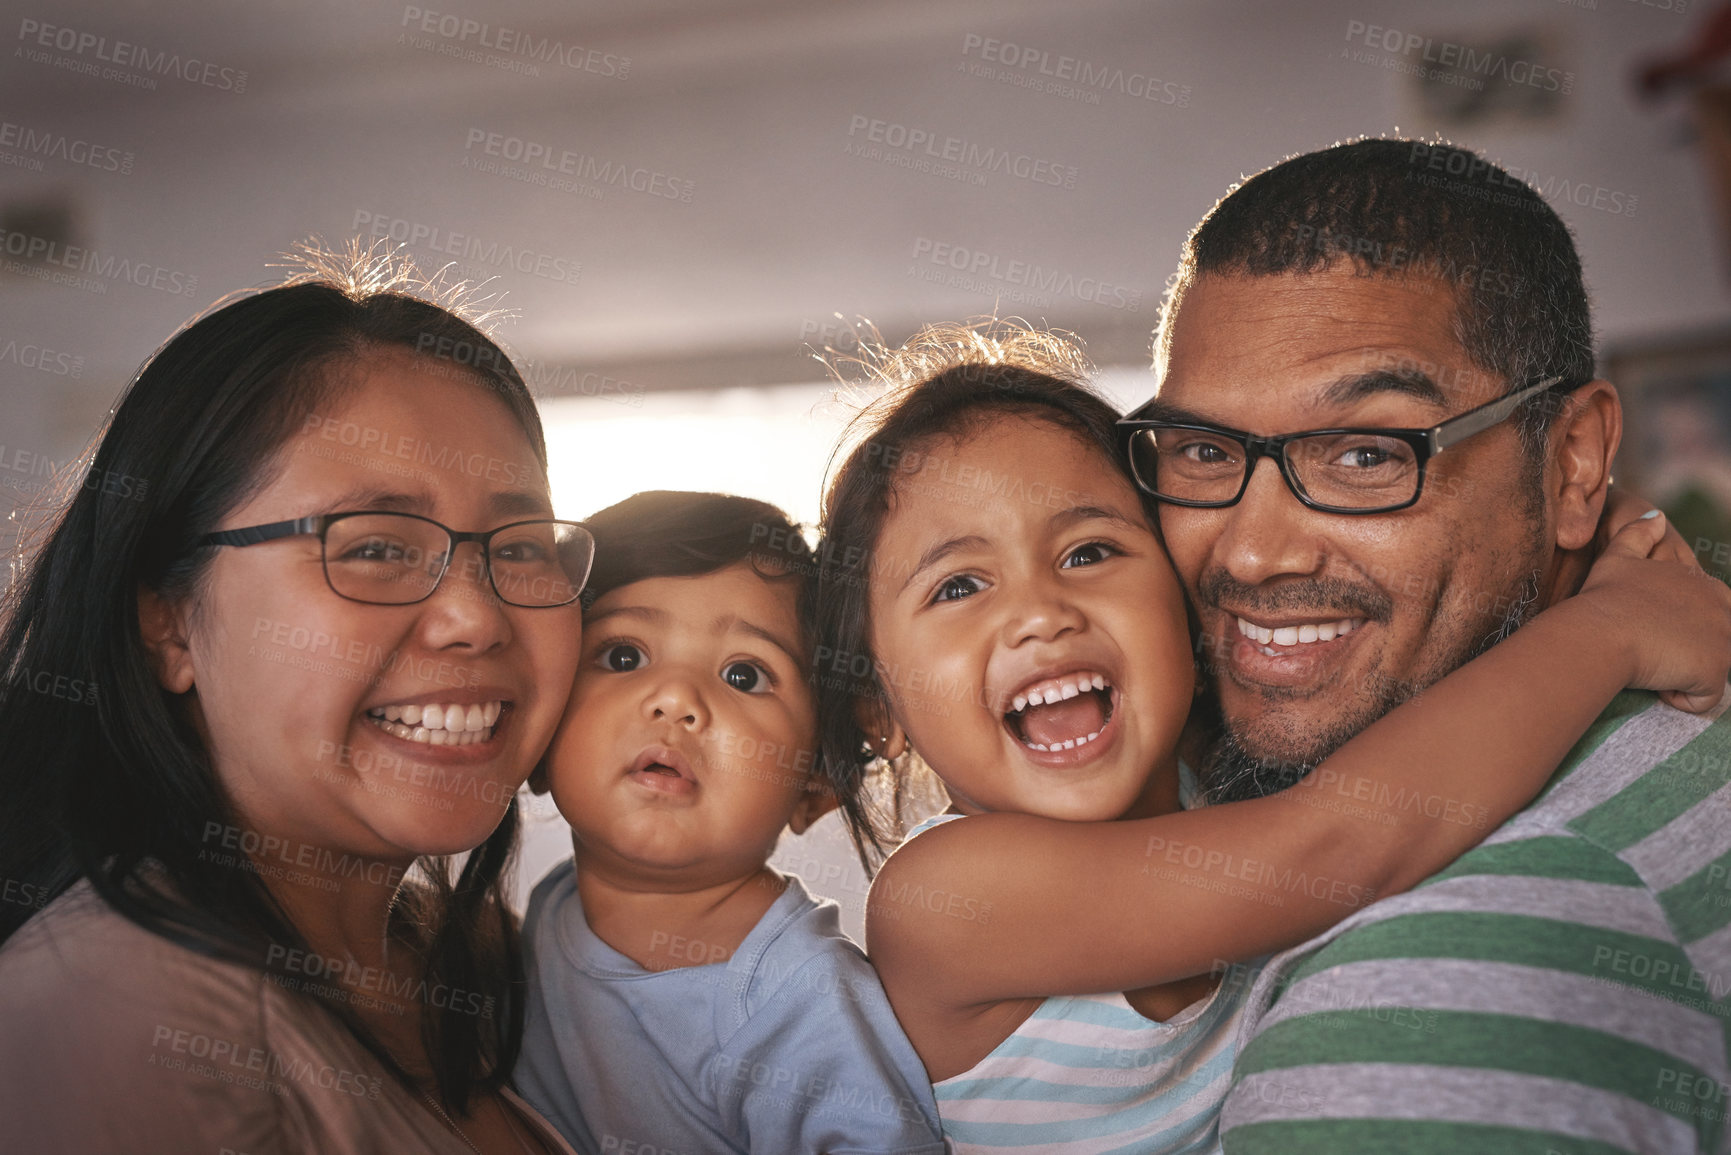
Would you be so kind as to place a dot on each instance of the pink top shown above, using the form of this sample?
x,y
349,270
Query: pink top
x,y
114,1039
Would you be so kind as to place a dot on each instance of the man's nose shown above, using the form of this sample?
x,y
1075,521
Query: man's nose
x,y
1269,533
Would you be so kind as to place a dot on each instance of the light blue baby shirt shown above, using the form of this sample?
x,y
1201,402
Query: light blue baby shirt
x,y
789,1046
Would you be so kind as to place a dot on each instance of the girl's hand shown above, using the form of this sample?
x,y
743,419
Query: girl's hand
x,y
1623,507
1675,619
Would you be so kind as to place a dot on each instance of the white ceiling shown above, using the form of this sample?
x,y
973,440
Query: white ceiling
x,y
752,103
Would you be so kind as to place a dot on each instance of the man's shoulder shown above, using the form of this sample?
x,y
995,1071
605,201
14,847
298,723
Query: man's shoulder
x,y
1567,976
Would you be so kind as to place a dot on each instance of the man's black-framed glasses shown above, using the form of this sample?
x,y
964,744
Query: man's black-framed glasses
x,y
1349,471
398,559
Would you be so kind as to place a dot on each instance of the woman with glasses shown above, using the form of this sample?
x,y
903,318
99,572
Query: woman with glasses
x,y
267,701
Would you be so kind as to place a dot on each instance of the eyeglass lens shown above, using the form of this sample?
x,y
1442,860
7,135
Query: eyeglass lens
x,y
394,560
1344,470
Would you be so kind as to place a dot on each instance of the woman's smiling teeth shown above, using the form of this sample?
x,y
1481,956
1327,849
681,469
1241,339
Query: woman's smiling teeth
x,y
439,725
1061,713
1300,634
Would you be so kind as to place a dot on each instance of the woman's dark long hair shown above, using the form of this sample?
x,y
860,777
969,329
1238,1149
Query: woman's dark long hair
x,y
110,782
943,382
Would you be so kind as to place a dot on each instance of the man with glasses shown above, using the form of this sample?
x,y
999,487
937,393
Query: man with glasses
x,y
1378,446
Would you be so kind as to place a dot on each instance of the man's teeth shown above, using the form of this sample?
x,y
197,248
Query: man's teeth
x,y
1298,635
1057,691
1068,743
440,725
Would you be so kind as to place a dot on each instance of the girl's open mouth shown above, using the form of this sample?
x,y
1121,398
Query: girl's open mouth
x,y
1062,713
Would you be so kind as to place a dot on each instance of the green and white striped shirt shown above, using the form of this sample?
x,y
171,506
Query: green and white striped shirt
x,y
1564,987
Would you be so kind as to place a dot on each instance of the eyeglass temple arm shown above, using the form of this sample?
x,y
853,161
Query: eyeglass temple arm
x,y
254,534
1478,420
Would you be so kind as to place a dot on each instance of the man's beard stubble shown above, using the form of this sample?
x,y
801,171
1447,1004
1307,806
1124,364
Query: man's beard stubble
x,y
1233,772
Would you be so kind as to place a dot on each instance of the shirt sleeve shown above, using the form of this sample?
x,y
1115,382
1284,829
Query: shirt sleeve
x,y
822,1066
1531,998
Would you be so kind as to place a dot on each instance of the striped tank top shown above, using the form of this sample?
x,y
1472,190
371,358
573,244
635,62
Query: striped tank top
x,y
1088,1074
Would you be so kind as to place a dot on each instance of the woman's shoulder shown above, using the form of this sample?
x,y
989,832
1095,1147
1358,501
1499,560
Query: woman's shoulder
x,y
81,959
119,1039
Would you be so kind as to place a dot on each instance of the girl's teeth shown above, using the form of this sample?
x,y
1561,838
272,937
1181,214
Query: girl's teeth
x,y
412,715
1058,691
1067,744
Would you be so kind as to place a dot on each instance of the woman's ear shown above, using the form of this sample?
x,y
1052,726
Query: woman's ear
x,y
163,627
888,740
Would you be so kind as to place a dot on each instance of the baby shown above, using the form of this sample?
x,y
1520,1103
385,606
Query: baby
x,y
684,996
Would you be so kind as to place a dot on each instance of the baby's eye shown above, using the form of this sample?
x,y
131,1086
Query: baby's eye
x,y
621,657
955,588
746,677
1093,553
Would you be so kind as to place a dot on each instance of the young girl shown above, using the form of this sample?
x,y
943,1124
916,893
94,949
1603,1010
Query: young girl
x,y
995,601
685,996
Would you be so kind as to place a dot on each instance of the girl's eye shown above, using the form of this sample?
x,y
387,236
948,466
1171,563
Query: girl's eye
x,y
1093,553
956,588
746,677
621,657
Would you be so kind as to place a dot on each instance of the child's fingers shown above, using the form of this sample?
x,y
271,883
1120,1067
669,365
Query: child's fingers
x,y
1693,702
1672,547
1640,537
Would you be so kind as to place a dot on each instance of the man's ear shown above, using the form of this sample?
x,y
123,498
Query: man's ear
x,y
163,627
888,740
1584,438
816,800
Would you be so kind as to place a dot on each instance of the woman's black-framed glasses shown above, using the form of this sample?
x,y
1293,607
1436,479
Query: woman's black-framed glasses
x,y
398,559
1334,470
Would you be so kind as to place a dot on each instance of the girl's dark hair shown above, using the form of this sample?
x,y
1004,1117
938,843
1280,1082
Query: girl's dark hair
x,y
672,533
946,381
112,784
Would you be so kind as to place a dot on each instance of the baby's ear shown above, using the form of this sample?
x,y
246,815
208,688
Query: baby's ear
x,y
888,740
538,783
816,800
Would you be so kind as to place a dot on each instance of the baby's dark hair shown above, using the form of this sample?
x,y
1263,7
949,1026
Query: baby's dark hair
x,y
946,381
673,533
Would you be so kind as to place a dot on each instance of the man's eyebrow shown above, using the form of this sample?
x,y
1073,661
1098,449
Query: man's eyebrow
x,y
735,622
1343,391
1414,383
1160,409
939,552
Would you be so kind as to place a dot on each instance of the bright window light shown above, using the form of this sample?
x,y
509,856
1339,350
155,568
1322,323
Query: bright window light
x,y
771,443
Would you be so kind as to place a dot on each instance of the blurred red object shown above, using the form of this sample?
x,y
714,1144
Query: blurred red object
x,y
1704,70
1693,64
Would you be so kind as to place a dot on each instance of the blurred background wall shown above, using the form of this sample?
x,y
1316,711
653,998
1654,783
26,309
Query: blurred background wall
x,y
677,197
